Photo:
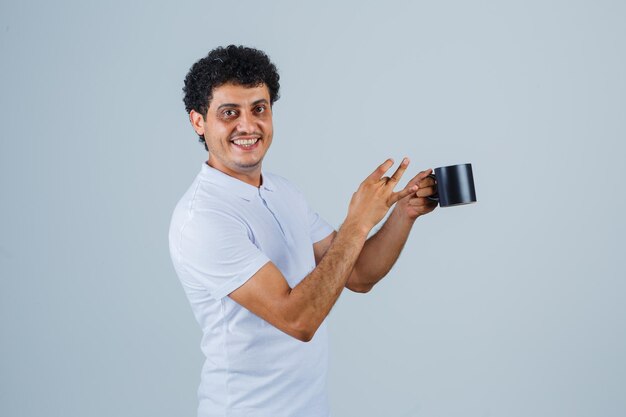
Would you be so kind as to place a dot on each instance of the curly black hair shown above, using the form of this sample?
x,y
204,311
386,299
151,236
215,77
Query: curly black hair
x,y
232,64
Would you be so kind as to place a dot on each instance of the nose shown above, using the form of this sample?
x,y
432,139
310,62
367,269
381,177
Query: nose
x,y
246,123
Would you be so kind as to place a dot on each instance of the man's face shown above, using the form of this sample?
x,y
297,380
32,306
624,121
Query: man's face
x,y
238,129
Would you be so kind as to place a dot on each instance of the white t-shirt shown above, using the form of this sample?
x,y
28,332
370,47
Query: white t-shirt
x,y
222,232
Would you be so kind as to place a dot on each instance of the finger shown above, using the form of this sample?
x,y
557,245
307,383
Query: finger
x,y
416,202
427,182
380,171
426,192
422,202
398,174
421,176
429,206
408,190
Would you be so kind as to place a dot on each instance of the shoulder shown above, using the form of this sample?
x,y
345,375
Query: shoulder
x,y
205,206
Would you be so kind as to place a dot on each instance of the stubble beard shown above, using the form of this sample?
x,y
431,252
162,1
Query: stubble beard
x,y
249,167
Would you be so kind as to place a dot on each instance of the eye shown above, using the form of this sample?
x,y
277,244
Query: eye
x,y
229,113
260,109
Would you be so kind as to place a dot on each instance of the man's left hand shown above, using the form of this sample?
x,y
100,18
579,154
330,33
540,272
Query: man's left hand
x,y
417,204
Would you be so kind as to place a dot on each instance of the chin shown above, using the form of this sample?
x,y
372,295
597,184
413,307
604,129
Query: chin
x,y
248,165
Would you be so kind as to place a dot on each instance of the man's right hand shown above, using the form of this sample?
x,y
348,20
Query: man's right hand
x,y
375,196
299,311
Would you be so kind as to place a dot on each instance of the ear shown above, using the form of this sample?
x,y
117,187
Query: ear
x,y
197,122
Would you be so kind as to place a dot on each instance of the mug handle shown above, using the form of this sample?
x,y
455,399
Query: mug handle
x,y
436,196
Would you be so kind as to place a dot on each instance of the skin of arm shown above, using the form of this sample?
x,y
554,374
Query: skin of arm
x,y
299,311
381,250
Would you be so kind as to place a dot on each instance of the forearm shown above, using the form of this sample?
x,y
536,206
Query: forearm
x,y
312,299
380,252
299,311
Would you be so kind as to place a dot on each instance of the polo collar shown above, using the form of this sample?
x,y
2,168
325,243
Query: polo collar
x,y
234,185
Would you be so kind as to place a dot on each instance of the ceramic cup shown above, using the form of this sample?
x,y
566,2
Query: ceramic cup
x,y
455,185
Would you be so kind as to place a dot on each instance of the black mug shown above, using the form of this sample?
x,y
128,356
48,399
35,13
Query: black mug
x,y
455,185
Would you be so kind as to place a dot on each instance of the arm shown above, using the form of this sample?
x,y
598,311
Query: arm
x,y
299,311
381,251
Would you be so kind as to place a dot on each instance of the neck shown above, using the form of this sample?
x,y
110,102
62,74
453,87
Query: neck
x,y
252,177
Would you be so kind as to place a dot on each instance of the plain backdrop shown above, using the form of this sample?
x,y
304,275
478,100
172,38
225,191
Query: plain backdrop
x,y
514,306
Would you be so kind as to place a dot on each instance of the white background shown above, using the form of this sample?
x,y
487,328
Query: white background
x,y
510,307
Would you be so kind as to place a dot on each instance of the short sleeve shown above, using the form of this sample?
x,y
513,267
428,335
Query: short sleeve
x,y
218,253
318,227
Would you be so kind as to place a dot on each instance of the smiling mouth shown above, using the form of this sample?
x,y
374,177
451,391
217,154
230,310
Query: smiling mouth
x,y
246,143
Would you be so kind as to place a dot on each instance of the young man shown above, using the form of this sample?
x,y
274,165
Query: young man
x,y
260,268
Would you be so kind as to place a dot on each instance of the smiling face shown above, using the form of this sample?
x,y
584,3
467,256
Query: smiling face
x,y
237,129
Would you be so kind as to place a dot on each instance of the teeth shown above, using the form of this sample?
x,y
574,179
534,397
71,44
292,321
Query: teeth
x,y
245,142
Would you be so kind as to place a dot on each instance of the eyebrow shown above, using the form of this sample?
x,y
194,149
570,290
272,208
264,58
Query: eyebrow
x,y
261,101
